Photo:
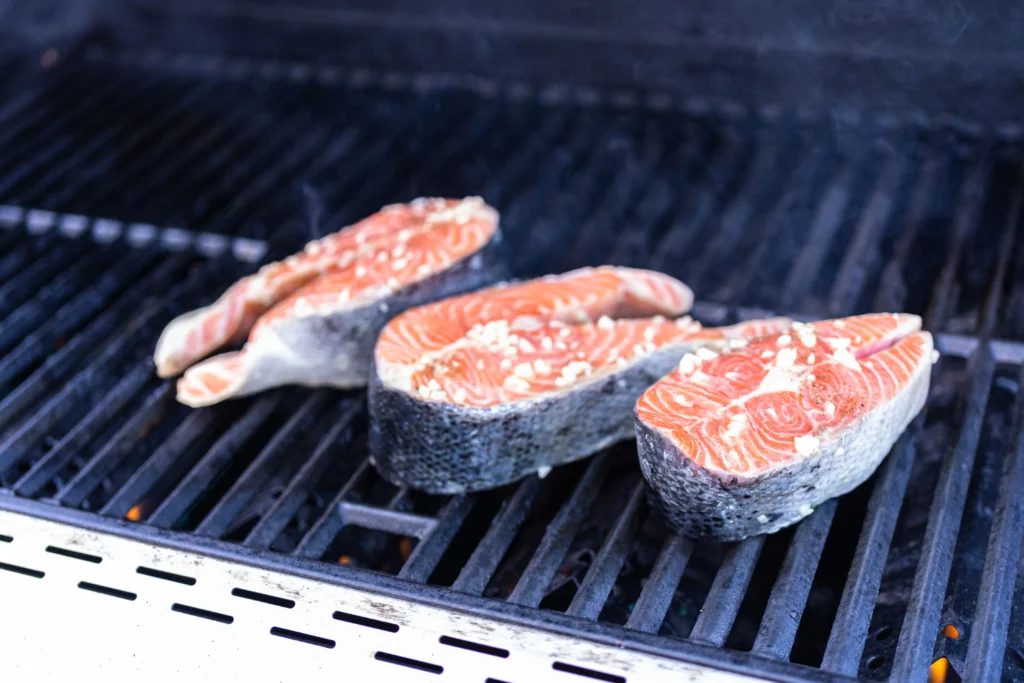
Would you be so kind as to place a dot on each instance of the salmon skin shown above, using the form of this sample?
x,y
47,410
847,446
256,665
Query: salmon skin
x,y
481,390
313,318
751,442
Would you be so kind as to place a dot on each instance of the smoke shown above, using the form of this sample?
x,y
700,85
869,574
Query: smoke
x,y
314,206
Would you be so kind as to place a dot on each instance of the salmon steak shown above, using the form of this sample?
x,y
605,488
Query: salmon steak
x,y
749,442
313,318
481,390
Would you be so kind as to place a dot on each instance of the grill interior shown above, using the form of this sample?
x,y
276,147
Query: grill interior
x,y
138,187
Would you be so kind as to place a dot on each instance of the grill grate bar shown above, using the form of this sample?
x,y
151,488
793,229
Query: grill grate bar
x,y
27,284
157,403
316,541
694,151
247,202
737,215
853,617
256,475
14,114
995,597
277,518
26,133
391,521
917,637
39,308
730,585
735,287
892,291
529,591
972,200
994,299
482,564
84,386
67,319
68,447
375,187
789,595
135,131
149,134
656,597
193,485
522,161
276,158
315,168
187,154
597,585
72,150
853,271
524,209
167,460
21,256
823,228
567,205
428,551
596,236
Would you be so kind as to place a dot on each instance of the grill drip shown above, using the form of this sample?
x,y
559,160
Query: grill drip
x,y
757,211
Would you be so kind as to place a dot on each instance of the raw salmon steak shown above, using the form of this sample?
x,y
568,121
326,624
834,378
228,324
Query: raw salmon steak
x,y
484,389
315,316
750,442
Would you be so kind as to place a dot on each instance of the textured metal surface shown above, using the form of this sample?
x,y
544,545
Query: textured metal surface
x,y
759,212
226,616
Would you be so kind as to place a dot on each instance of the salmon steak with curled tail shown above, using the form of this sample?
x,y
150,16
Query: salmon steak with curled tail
x,y
481,390
750,442
313,318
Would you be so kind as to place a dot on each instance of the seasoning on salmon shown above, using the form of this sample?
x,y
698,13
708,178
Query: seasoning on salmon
x,y
751,442
315,316
484,389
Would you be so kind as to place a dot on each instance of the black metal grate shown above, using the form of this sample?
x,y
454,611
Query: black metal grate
x,y
755,210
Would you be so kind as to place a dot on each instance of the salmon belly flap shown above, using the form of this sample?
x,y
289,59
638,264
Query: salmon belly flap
x,y
313,318
481,390
750,442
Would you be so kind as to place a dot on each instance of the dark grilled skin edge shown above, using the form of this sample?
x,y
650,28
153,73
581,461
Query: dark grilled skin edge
x,y
701,504
445,448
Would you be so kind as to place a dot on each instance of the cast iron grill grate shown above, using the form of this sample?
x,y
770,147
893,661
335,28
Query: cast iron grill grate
x,y
756,211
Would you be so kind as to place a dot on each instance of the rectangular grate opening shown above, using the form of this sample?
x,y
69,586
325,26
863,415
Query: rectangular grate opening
x,y
382,656
302,637
202,613
107,590
74,554
166,576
